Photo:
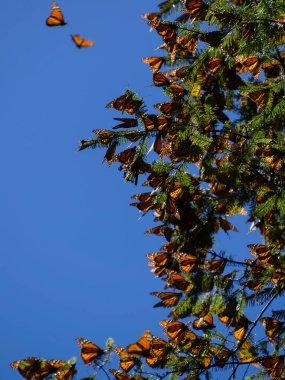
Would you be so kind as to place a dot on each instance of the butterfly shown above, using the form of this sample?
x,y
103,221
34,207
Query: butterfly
x,y
90,352
124,376
67,372
274,365
126,103
81,42
204,323
56,17
156,122
168,299
125,122
127,361
175,330
37,368
154,63
273,328
142,346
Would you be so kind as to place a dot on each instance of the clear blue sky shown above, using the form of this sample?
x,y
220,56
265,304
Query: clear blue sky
x,y
73,251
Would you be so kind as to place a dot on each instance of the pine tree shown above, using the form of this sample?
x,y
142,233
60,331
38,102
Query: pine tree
x,y
215,149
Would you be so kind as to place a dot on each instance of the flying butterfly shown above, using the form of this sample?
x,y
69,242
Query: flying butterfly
x,y
90,352
81,42
56,17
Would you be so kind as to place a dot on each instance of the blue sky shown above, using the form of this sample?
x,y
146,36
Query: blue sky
x,y
73,251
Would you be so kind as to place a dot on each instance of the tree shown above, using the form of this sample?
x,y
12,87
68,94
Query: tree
x,y
213,150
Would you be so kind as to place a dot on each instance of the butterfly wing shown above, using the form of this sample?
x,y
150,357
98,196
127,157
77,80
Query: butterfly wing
x,y
56,17
90,352
81,42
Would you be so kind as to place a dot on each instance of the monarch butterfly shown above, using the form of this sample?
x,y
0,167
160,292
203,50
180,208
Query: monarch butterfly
x,y
177,281
156,122
67,372
174,330
37,368
126,103
187,262
197,8
124,376
274,365
221,354
159,352
56,17
189,43
127,361
155,63
247,352
168,299
273,328
168,108
142,346
204,323
90,352
154,361
160,80
81,42
126,122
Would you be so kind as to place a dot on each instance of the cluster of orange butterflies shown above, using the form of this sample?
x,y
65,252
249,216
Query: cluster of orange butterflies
x,y
33,368
56,18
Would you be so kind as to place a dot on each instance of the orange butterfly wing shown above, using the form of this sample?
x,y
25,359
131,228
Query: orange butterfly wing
x,y
142,346
127,361
67,373
90,352
81,42
37,368
56,17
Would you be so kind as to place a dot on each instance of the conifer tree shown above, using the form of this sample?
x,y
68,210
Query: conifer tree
x,y
213,150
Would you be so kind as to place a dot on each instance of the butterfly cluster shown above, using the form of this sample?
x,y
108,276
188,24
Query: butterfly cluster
x,y
56,18
202,166
212,149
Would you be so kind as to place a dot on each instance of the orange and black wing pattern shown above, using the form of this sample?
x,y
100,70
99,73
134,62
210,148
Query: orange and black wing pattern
x,y
142,346
34,368
90,352
81,42
127,361
56,17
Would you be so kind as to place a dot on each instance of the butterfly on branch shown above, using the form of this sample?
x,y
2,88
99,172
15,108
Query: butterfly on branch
x,y
90,352
34,368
